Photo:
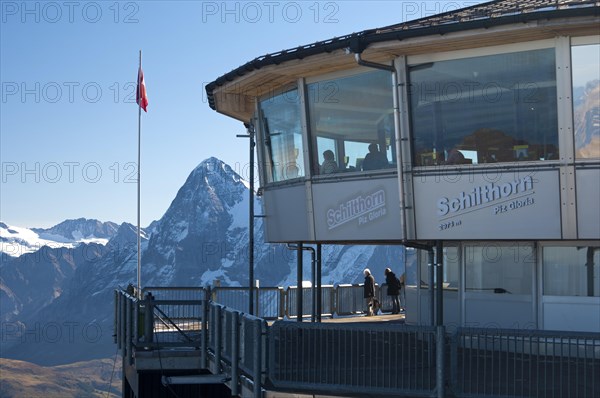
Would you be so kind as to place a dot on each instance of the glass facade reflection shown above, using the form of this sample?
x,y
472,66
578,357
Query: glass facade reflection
x,y
451,268
282,134
488,109
499,268
585,61
479,110
351,123
572,271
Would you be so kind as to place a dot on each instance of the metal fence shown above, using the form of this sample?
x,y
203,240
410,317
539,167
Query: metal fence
x,y
525,363
327,301
177,318
177,315
275,303
164,317
269,302
379,359
384,359
350,299
176,293
237,342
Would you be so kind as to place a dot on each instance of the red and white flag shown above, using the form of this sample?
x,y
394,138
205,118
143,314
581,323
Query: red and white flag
x,y
141,98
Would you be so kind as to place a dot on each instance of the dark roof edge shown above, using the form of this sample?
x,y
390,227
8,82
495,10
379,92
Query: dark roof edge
x,y
357,42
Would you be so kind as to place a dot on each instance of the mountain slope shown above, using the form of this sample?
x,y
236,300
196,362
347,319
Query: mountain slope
x,y
78,324
34,280
79,380
204,233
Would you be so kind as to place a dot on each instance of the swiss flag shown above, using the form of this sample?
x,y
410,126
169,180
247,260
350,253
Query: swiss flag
x,y
141,98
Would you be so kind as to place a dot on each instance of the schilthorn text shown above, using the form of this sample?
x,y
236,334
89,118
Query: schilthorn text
x,y
484,194
355,208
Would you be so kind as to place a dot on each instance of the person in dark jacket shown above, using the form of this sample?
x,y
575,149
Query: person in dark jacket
x,y
393,290
375,160
369,291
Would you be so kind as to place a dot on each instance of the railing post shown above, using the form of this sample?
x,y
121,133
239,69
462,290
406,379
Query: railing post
x,y
116,318
257,359
440,333
235,355
299,292
128,347
282,305
319,284
122,325
136,321
454,359
431,270
204,334
264,349
218,334
149,318
256,298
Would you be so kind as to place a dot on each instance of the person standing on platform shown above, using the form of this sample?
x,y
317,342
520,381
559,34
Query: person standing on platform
x,y
393,289
369,291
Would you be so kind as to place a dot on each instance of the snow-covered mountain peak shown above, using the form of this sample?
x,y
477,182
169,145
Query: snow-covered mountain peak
x,y
215,172
126,235
79,230
16,241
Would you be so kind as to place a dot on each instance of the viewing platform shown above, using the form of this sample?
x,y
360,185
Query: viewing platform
x,y
191,345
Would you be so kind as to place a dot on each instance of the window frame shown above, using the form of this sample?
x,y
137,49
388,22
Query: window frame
x,y
542,270
339,144
532,264
577,42
267,162
413,60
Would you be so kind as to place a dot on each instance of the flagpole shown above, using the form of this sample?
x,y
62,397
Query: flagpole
x,y
139,239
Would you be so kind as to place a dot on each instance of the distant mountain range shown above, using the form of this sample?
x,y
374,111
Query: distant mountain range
x,y
15,241
56,301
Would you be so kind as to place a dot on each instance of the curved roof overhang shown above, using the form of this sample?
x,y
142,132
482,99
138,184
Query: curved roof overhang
x,y
234,94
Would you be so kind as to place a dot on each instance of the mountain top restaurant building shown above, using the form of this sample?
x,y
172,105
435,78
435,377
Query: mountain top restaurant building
x,y
473,134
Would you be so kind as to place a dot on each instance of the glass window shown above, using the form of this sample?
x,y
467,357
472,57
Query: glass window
x,y
499,268
411,261
351,122
488,109
571,271
451,267
282,136
585,62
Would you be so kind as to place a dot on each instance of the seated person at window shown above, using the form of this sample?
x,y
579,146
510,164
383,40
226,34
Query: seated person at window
x,y
329,165
456,157
375,159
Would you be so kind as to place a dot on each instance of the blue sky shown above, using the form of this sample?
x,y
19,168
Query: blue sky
x,y
68,119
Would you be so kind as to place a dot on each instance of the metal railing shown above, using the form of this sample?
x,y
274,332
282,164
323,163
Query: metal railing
x,y
176,293
275,303
176,312
384,359
269,302
327,301
237,343
350,299
184,318
380,359
525,363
